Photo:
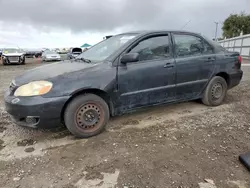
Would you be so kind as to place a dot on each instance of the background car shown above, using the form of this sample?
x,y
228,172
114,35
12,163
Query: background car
x,y
50,56
33,53
74,52
13,56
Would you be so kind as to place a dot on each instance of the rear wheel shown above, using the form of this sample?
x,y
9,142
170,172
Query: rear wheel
x,y
215,92
86,115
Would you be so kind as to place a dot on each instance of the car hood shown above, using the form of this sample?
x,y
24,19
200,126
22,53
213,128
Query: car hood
x,y
12,54
47,72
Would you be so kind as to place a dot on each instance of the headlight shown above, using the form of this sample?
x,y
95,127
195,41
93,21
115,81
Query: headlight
x,y
34,89
4,56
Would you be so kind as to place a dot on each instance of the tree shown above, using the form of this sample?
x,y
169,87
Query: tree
x,y
235,24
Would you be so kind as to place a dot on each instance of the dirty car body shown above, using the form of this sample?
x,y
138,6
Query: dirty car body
x,y
135,70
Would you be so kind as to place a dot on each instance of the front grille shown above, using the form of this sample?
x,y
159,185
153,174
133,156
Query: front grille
x,y
13,58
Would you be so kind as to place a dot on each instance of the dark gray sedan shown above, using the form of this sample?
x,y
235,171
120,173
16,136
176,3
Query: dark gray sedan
x,y
123,73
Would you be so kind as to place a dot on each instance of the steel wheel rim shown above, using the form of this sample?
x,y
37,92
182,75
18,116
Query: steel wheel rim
x,y
89,117
217,91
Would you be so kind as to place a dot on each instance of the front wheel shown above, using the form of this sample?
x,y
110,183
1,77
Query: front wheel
x,y
22,62
4,62
86,115
215,92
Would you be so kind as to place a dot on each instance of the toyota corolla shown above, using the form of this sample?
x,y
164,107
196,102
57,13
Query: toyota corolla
x,y
122,73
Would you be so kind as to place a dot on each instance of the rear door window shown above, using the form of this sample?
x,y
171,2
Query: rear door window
x,y
208,49
188,45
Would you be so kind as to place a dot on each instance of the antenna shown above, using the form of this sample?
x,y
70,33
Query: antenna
x,y
185,25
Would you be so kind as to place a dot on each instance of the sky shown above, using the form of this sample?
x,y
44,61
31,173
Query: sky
x,y
69,23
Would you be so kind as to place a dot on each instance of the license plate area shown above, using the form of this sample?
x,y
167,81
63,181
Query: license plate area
x,y
13,58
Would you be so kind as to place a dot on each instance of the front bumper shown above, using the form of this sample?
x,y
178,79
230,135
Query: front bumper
x,y
35,112
13,59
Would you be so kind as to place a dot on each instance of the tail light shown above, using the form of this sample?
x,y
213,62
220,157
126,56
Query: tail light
x,y
240,59
238,62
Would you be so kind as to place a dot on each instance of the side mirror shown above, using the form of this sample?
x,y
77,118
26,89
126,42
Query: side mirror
x,y
130,57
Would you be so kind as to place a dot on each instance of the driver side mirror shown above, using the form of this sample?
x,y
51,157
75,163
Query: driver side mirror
x,y
130,57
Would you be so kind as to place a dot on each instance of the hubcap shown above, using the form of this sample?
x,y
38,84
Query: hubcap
x,y
88,117
217,91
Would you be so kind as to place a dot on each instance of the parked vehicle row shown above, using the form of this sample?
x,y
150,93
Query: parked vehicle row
x,y
120,74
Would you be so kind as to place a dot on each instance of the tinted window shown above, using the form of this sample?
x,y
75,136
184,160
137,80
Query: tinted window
x,y
153,48
207,48
188,45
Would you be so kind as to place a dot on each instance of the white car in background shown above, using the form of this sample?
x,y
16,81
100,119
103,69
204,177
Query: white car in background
x,y
50,56
13,56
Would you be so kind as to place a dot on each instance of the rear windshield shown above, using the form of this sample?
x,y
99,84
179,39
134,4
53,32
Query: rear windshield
x,y
76,50
50,52
215,44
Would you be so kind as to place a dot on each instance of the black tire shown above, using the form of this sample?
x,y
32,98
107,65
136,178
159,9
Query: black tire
x,y
80,109
4,62
23,62
215,92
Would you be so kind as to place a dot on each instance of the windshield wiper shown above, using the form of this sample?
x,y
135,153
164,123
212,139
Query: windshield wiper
x,y
84,60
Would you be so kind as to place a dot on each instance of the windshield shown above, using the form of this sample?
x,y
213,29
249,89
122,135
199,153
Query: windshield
x,y
105,48
12,50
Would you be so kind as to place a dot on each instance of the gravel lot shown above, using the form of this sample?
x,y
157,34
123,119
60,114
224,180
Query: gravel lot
x,y
182,145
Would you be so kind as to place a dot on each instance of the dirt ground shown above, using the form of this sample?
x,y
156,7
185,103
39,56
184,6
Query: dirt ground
x,y
185,145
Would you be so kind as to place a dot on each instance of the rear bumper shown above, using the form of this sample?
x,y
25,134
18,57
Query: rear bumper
x,y
235,79
52,59
35,112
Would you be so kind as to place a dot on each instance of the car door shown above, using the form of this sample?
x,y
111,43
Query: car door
x,y
208,65
189,57
151,80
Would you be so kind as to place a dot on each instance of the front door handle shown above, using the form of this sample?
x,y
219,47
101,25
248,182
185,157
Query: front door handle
x,y
210,59
168,65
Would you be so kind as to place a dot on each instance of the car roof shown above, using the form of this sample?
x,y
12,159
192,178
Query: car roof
x,y
143,32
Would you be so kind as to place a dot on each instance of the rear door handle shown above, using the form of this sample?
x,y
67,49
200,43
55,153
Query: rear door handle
x,y
168,65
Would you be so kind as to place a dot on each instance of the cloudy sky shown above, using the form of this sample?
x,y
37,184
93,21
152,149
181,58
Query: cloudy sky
x,y
65,23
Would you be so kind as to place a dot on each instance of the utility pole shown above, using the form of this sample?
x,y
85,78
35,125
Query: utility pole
x,y
216,30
